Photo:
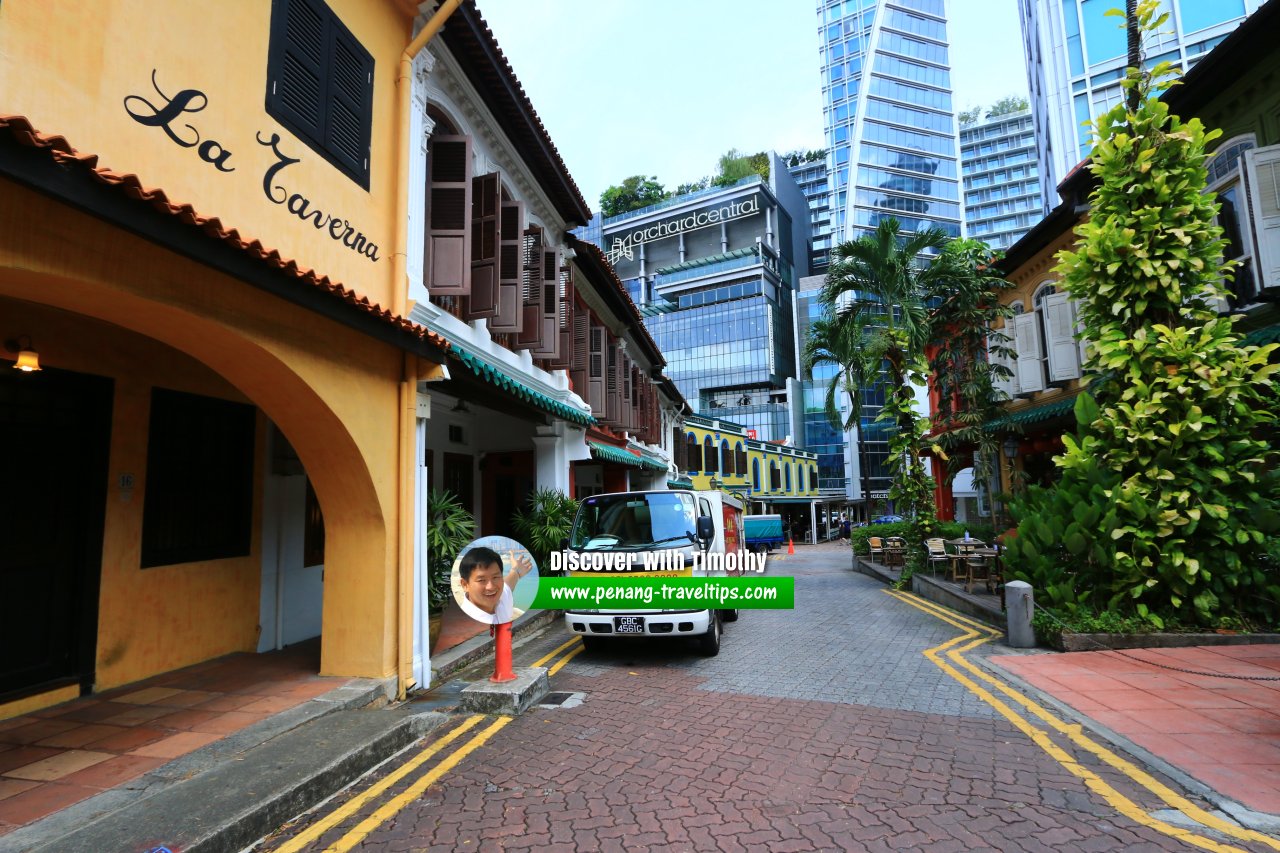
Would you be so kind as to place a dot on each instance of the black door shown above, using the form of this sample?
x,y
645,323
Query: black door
x,y
54,432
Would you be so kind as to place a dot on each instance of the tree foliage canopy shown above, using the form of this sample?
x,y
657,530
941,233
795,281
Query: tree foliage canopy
x,y
633,193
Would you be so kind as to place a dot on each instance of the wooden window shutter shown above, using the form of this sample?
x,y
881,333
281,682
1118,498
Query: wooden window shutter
x,y
1026,336
1006,385
613,383
548,347
350,117
509,315
564,321
449,219
486,207
1060,342
530,336
581,345
1262,181
299,93
678,449
596,387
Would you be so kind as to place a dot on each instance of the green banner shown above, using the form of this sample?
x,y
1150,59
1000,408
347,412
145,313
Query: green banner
x,y
665,593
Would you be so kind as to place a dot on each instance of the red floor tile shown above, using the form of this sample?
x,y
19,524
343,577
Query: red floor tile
x,y
184,720
13,787
272,704
138,715
37,730
129,739
24,755
176,745
1129,700
40,801
226,702
228,722
1232,748
59,766
116,771
81,735
1251,720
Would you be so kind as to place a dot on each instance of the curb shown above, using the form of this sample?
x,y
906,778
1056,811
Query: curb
x,y
448,664
208,788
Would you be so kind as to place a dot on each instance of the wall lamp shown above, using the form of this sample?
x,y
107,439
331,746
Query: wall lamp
x,y
28,359
1010,447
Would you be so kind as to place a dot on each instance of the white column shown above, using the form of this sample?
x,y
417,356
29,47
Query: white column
x,y
813,521
556,446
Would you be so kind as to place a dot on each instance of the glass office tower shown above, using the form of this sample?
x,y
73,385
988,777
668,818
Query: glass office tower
x,y
1076,56
892,150
890,124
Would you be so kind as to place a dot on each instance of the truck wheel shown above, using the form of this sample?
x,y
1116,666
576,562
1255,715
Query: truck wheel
x,y
729,615
709,643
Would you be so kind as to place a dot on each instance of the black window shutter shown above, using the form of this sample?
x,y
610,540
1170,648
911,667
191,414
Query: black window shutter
x,y
350,101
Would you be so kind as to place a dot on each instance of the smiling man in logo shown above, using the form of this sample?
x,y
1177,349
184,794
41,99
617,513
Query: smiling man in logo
x,y
486,594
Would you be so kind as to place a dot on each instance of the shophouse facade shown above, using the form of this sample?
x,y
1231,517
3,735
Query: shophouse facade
x,y
261,258
1233,88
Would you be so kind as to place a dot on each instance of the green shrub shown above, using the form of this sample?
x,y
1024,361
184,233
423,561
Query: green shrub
x,y
544,522
449,528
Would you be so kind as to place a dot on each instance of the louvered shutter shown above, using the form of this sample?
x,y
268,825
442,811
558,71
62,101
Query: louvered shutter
x,y
449,219
548,346
350,102
678,449
624,411
581,346
298,81
1007,385
1262,177
530,336
1060,342
509,315
564,322
1026,337
613,384
596,384
486,207
1081,343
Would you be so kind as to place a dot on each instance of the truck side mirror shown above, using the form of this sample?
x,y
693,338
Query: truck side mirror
x,y
706,528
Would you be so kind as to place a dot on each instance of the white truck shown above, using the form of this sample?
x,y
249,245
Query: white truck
x,y
682,521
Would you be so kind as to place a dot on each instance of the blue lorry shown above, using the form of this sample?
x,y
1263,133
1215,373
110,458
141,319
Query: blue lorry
x,y
763,532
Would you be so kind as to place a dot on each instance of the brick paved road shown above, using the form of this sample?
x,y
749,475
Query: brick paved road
x,y
822,728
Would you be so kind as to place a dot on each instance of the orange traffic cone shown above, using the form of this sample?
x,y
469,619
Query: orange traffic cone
x,y
791,546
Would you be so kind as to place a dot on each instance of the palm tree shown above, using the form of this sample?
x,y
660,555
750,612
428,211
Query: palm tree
x,y
877,291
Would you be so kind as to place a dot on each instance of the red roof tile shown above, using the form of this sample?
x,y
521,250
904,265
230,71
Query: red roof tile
x,y
131,185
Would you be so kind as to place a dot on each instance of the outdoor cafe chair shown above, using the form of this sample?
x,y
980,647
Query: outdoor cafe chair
x,y
937,553
876,544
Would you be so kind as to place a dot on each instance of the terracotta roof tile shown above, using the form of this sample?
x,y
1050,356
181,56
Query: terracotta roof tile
x,y
132,186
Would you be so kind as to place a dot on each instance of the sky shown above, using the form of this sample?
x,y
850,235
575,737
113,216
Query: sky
x,y
664,87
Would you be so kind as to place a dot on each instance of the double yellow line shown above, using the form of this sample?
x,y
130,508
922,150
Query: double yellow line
x,y
396,804
955,665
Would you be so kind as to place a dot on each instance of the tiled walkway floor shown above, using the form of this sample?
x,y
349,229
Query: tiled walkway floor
x,y
52,758
1223,731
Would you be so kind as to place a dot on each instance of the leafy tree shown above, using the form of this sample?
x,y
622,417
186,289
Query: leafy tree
x,y
1168,495
693,186
633,193
1006,105
964,300
734,166
876,290
969,116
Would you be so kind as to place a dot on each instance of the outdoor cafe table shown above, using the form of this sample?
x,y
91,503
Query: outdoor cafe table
x,y
964,547
895,549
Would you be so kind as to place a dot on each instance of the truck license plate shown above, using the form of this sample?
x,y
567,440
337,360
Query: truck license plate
x,y
628,624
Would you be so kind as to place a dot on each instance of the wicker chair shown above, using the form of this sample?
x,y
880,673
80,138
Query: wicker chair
x,y
876,544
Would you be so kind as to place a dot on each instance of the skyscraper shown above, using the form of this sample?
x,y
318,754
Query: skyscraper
x,y
892,151
1001,177
1076,59
890,124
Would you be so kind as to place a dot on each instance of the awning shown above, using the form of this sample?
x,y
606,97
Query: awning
x,y
648,460
497,376
1035,414
609,453
1262,337
682,483
814,499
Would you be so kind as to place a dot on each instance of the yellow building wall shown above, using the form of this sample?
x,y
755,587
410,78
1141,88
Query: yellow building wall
x,y
734,482
69,68
333,391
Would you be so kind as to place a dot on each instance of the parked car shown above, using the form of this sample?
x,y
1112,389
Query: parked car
x,y
887,519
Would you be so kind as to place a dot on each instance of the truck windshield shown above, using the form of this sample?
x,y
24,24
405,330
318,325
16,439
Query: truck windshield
x,y
634,521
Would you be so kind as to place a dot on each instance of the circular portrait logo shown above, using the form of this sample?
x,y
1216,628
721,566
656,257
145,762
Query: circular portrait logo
x,y
494,579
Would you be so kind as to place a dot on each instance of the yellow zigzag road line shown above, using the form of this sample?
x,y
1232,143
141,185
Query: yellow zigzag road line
x,y
395,804
353,805
1094,782
1077,736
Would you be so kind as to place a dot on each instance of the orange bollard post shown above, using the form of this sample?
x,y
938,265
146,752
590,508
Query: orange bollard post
x,y
502,654
791,546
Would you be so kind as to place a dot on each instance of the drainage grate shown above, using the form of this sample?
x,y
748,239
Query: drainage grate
x,y
562,700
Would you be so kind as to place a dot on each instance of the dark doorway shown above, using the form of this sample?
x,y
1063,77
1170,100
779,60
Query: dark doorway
x,y
55,429
508,480
458,477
